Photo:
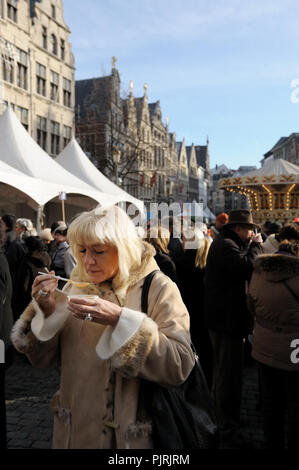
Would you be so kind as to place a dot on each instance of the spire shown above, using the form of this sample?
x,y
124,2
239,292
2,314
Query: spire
x,y
114,60
208,141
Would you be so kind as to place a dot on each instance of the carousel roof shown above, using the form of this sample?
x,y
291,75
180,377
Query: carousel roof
x,y
275,167
274,172
272,191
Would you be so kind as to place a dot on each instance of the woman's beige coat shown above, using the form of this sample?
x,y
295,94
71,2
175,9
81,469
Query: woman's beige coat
x,y
98,405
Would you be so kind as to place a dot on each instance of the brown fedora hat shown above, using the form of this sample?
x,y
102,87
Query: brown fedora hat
x,y
241,217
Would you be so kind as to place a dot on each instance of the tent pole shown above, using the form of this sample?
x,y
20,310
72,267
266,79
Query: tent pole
x,y
38,219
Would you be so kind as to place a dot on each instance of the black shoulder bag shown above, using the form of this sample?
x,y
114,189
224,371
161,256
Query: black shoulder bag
x,y
183,416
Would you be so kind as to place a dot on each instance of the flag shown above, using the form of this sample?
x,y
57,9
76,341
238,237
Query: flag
x,y
62,196
153,179
142,180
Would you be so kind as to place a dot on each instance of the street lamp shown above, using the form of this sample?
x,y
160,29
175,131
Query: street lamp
x,y
116,159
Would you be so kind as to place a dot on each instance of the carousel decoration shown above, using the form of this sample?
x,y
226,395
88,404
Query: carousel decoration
x,y
272,191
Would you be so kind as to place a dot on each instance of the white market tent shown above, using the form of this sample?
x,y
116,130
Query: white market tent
x,y
73,159
38,190
22,153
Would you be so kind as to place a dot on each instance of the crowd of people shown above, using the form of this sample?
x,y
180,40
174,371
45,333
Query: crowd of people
x,y
216,287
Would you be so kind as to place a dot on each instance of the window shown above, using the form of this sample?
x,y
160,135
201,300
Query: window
x,y
67,92
22,61
45,37
53,44
40,79
1,8
12,10
54,94
53,11
22,114
55,138
42,132
62,49
67,135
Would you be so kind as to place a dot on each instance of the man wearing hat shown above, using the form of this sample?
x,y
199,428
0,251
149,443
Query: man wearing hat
x,y
229,267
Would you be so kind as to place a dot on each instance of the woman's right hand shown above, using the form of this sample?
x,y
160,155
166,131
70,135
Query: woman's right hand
x,y
43,291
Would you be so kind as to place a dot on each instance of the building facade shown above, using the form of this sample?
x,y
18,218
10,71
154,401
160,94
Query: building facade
x,y
287,148
193,185
183,173
37,70
152,165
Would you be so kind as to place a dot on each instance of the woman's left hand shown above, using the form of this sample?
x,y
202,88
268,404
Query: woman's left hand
x,y
101,311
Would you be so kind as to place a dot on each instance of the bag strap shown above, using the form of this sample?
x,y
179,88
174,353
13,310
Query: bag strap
x,y
291,291
144,301
145,290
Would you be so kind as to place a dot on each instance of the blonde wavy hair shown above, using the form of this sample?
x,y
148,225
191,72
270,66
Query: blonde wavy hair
x,y
194,239
110,226
159,237
202,253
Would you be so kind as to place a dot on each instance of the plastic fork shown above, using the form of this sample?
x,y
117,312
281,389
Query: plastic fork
x,y
76,283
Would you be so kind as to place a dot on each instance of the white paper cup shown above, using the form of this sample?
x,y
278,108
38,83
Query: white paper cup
x,y
82,296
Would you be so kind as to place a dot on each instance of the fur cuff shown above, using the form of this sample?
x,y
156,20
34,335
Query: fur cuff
x,y
114,338
132,352
21,335
46,328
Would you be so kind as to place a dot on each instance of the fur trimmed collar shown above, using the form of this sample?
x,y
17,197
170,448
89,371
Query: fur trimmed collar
x,y
147,265
277,266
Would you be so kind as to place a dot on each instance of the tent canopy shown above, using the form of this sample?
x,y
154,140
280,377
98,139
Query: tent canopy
x,y
38,174
74,160
38,190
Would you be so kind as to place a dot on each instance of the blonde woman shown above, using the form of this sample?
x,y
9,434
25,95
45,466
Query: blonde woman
x,y
190,271
105,345
159,237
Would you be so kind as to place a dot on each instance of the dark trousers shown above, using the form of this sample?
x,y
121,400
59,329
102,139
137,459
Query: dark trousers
x,y
2,408
228,368
280,397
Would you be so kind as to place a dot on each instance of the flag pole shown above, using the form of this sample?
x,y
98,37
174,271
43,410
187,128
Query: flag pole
x,y
63,210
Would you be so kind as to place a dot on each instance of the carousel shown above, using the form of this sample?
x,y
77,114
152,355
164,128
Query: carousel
x,y
272,191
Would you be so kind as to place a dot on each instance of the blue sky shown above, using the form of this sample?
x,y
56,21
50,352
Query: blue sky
x,y
221,69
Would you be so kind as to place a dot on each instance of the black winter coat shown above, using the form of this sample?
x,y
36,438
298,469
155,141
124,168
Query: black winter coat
x,y
167,266
14,253
191,285
229,265
22,284
6,319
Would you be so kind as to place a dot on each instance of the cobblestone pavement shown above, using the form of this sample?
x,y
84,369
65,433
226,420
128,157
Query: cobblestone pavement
x,y
29,419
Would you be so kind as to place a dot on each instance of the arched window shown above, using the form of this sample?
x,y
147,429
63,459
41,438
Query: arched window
x,y
53,44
